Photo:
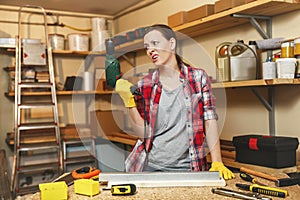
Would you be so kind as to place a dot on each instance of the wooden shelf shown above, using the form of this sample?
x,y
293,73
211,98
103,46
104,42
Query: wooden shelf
x,y
260,82
224,19
123,48
62,93
131,46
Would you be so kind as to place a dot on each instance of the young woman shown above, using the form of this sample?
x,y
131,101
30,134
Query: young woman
x,y
180,112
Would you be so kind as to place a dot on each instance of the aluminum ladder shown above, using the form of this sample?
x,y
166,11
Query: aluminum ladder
x,y
38,161
78,153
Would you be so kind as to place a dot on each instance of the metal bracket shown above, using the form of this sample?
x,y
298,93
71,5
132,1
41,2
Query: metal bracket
x,y
266,34
269,105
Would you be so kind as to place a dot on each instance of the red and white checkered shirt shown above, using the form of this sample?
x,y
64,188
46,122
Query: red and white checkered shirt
x,y
197,90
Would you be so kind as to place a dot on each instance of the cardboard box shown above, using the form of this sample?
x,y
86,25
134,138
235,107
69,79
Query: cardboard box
x,y
200,12
269,151
106,122
177,19
222,5
100,85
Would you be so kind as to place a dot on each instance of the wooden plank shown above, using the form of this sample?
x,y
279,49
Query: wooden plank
x,y
231,163
246,83
62,93
4,177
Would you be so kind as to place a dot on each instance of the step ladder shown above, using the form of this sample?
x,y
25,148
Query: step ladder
x,y
79,152
40,161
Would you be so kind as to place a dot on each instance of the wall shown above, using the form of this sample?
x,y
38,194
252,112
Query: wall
x,y
244,114
71,109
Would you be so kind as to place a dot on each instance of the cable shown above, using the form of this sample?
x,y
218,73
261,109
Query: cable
x,y
75,28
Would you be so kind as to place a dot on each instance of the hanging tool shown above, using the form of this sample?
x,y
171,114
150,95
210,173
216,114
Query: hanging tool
x,y
123,189
249,178
85,173
238,194
263,190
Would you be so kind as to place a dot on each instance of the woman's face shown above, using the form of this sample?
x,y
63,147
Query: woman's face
x,y
158,48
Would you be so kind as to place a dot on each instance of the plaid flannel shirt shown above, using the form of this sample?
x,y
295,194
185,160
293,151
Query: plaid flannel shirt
x,y
202,107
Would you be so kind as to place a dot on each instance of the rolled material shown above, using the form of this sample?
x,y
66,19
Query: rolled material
x,y
99,34
98,40
98,24
88,81
78,42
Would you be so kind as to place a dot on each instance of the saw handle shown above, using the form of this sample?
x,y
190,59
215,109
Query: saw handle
x,y
259,174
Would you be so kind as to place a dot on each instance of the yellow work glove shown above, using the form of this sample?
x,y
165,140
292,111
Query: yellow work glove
x,y
123,89
224,171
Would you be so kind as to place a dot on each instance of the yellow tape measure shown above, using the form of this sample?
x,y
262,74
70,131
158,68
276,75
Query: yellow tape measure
x,y
123,189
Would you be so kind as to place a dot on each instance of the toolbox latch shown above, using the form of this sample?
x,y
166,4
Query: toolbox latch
x,y
253,144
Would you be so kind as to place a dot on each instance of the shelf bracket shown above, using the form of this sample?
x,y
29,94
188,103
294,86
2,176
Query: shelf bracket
x,y
252,18
269,105
266,34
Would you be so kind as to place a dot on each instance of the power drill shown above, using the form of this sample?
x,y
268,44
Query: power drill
x,y
112,65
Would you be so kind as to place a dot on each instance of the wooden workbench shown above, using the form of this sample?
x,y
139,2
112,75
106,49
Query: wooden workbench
x,y
185,193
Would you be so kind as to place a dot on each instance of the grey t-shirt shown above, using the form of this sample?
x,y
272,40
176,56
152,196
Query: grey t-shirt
x,y
170,145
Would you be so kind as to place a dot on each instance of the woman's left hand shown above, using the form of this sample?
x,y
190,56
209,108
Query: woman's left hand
x,y
224,171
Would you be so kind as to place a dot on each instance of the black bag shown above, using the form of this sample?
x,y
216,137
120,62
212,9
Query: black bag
x,y
73,83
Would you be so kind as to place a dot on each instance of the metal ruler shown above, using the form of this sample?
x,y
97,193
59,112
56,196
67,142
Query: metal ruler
x,y
163,179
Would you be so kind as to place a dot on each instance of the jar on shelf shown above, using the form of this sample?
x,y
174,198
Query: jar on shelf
x,y
297,47
287,49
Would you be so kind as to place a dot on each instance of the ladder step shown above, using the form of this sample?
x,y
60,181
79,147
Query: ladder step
x,y
43,125
28,189
79,142
38,168
36,105
38,146
86,159
35,85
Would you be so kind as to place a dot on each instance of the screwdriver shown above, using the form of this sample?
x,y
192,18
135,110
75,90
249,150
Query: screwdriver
x,y
249,178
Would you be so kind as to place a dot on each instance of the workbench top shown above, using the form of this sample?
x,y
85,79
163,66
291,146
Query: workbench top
x,y
185,193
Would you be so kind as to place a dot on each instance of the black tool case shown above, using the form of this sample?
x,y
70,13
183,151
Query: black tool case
x,y
269,151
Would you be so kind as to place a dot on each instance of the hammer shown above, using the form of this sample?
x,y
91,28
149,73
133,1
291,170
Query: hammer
x,y
279,182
